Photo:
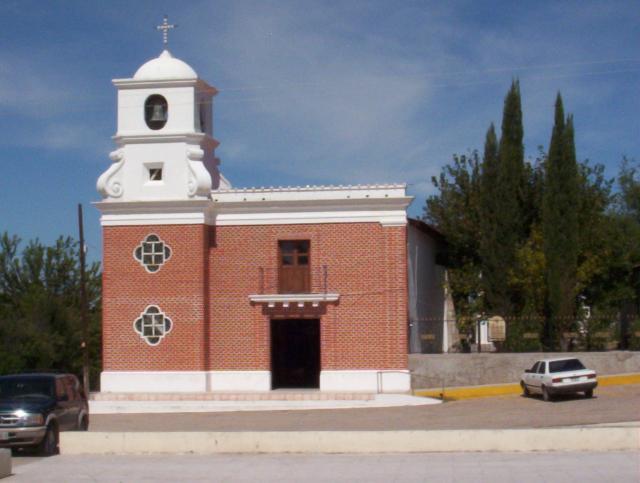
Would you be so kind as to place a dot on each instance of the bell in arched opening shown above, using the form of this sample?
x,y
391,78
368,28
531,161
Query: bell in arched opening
x,y
155,112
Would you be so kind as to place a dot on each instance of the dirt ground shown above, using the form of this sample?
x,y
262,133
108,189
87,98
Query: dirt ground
x,y
610,404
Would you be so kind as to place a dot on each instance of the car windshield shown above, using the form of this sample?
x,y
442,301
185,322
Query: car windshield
x,y
14,387
566,365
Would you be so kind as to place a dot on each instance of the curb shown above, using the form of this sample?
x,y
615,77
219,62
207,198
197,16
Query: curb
x,y
470,392
5,463
498,440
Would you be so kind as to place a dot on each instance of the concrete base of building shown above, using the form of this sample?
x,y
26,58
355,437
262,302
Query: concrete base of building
x,y
366,381
5,463
371,381
595,439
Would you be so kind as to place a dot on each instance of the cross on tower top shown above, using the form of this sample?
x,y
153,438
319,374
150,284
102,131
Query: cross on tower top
x,y
165,27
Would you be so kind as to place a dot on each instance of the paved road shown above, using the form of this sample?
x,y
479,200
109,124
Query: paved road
x,y
612,404
618,467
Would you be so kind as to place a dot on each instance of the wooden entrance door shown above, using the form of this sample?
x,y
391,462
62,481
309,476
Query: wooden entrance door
x,y
295,353
293,270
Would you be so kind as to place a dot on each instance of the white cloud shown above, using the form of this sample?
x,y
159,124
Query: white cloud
x,y
343,111
319,94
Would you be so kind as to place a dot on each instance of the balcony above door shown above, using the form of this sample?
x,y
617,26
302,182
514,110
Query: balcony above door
x,y
302,287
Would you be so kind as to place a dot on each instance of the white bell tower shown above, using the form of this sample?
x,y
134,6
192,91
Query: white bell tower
x,y
165,145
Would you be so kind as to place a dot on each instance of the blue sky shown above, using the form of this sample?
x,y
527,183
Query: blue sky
x,y
333,92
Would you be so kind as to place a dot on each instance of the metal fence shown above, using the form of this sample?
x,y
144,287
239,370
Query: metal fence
x,y
527,334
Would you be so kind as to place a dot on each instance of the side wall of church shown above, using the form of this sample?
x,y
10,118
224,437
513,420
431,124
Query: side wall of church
x,y
366,265
178,288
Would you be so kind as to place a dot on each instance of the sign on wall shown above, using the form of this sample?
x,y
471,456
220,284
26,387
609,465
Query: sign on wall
x,y
497,329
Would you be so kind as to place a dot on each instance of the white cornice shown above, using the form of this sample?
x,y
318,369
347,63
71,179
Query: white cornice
x,y
166,137
338,192
296,189
191,212
201,85
384,204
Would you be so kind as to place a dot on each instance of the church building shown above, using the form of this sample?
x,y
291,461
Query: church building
x,y
208,287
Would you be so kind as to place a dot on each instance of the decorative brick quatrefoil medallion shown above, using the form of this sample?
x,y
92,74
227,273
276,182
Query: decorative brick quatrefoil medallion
x,y
152,253
152,325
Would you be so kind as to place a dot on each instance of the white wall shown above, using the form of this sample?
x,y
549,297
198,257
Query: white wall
x,y
426,293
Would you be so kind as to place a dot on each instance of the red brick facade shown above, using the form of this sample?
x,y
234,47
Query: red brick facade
x,y
205,286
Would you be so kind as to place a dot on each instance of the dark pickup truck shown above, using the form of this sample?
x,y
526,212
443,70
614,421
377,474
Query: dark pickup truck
x,y
34,408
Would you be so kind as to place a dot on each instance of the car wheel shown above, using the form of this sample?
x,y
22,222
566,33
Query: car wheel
x,y
588,393
49,444
525,389
545,394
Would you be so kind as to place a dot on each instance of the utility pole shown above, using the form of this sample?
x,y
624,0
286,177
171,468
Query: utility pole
x,y
83,307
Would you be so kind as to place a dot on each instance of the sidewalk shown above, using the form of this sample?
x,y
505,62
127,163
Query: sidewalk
x,y
621,467
213,406
507,423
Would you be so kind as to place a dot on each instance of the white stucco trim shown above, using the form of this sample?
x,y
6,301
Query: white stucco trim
x,y
250,381
196,212
382,381
153,381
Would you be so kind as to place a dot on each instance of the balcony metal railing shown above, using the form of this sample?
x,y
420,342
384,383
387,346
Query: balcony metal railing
x,y
271,280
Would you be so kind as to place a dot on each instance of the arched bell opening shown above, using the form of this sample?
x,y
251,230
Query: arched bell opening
x,y
156,112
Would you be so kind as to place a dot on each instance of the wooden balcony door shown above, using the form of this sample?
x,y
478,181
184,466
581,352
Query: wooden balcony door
x,y
293,270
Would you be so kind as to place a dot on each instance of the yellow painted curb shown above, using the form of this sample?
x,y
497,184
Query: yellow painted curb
x,y
619,379
457,393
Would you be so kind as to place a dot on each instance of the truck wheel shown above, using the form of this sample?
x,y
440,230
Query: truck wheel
x,y
588,393
49,444
545,394
525,389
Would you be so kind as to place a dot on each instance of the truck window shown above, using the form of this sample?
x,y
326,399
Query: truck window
x,y
70,388
61,389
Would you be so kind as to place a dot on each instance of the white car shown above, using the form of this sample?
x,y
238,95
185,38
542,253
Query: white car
x,y
558,376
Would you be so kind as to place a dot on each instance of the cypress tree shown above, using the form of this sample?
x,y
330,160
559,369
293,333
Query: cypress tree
x,y
502,200
560,227
494,282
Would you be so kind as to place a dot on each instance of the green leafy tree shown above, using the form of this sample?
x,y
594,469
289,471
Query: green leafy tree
x,y
629,196
525,239
40,326
454,211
